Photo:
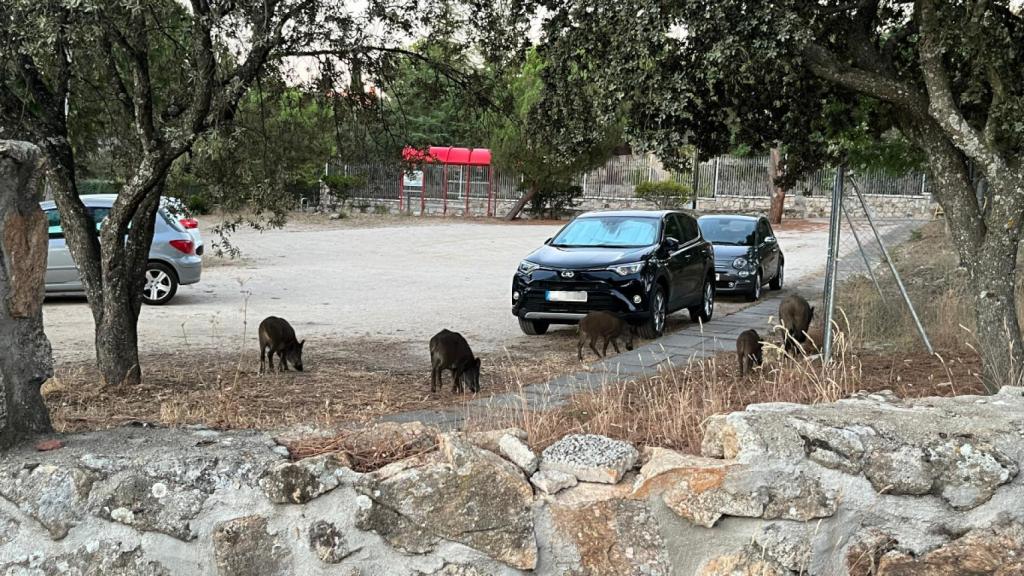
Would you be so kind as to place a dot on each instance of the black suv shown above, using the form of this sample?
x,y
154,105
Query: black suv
x,y
640,264
747,254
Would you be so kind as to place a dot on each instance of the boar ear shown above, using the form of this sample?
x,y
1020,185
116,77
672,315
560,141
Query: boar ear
x,y
477,363
301,344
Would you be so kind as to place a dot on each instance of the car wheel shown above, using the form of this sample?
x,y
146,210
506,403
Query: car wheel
x,y
654,326
161,284
755,293
776,283
533,327
706,309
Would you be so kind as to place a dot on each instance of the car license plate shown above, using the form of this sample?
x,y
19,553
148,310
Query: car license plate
x,y
718,277
560,296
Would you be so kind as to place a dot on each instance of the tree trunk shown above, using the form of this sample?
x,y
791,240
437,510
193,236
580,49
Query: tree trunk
x,y
995,305
25,356
522,202
124,266
778,192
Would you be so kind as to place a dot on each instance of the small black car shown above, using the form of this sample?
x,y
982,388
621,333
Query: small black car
x,y
747,254
640,264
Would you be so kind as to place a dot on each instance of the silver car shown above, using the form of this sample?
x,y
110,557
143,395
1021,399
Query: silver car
x,y
172,257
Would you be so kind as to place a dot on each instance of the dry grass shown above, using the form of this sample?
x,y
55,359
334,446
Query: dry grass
x,y
937,286
225,390
671,408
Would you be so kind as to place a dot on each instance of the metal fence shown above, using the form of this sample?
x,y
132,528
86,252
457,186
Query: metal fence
x,y
724,176
860,276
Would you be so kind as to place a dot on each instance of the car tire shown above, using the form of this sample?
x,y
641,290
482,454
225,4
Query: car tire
x,y
776,283
706,309
533,327
654,325
755,292
161,284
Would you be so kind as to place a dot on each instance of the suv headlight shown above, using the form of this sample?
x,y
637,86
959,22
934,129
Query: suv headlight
x,y
526,266
627,269
739,263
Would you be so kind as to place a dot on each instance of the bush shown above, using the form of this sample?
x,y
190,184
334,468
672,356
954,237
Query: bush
x,y
197,204
342,186
553,200
664,194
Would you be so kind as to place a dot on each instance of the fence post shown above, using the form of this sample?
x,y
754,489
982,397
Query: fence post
x,y
924,181
833,259
490,189
714,190
423,190
469,175
444,189
696,177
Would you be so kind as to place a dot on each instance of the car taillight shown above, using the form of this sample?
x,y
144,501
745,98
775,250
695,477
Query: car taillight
x,y
189,223
185,246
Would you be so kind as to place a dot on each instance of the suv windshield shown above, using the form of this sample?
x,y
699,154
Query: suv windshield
x,y
609,232
731,231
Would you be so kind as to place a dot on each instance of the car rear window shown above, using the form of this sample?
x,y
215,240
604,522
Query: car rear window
x,y
174,224
729,231
609,232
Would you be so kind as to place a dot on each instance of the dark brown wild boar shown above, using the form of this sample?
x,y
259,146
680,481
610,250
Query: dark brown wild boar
x,y
600,325
796,315
450,351
278,337
748,351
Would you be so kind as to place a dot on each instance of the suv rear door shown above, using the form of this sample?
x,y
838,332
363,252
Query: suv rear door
x,y
693,252
768,249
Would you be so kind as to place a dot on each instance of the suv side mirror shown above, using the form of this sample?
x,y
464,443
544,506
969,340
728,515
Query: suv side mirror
x,y
670,243
769,239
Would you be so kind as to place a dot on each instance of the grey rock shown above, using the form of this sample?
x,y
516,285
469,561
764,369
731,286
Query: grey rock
x,y
518,453
488,439
154,505
832,447
900,470
610,536
244,547
281,451
299,482
399,532
56,496
752,493
970,472
335,216
590,458
471,496
329,543
105,557
460,570
8,528
552,481
788,544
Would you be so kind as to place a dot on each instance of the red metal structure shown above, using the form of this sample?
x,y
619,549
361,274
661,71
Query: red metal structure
x,y
466,161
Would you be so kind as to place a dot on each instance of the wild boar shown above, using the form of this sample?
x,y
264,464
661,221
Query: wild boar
x,y
796,315
748,351
278,337
450,351
600,325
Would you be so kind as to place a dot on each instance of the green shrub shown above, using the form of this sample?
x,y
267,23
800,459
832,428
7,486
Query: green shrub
x,y
554,200
664,194
197,204
343,185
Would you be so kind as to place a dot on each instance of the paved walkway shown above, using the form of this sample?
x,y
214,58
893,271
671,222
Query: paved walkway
x,y
693,342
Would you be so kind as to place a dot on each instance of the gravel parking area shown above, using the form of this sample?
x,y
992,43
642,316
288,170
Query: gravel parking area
x,y
397,280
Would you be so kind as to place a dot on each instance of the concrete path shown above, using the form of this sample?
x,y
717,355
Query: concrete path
x,y
694,342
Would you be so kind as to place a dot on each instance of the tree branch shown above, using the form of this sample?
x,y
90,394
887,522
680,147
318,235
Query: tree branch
x,y
943,107
825,65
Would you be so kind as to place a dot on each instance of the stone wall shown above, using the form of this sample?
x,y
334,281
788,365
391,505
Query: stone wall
x,y
868,485
882,207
